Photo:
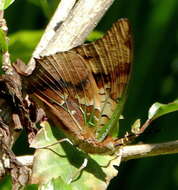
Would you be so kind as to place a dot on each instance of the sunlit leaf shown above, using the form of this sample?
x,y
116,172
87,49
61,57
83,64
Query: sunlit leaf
x,y
94,35
5,3
56,184
64,160
158,109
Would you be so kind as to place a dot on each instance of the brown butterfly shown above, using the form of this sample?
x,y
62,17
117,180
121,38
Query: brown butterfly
x,y
83,90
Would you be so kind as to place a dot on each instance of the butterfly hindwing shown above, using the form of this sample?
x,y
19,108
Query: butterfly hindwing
x,y
109,60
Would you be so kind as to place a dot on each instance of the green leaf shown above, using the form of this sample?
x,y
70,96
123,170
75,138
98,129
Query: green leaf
x,y
158,109
112,126
103,132
31,187
56,184
3,42
6,183
48,7
5,3
64,160
94,35
36,3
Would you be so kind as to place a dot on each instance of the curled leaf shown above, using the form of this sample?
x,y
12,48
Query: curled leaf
x,y
158,109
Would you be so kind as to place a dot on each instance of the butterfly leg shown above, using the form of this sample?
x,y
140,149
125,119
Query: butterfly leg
x,y
117,156
57,142
76,174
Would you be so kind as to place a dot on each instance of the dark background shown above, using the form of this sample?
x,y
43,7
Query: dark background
x,y
155,76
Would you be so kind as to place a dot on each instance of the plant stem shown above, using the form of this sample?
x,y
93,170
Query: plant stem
x,y
1,14
131,151
147,150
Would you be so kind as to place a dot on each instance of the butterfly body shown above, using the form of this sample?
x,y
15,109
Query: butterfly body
x,y
82,91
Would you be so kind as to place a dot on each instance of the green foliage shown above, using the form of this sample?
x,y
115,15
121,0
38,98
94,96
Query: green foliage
x,y
47,6
112,123
94,35
3,46
5,3
6,183
3,42
22,44
158,109
55,184
31,187
64,160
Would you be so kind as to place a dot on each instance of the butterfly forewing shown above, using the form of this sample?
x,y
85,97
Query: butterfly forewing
x,y
61,81
82,88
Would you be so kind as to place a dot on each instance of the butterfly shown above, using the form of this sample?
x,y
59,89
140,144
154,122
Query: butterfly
x,y
83,90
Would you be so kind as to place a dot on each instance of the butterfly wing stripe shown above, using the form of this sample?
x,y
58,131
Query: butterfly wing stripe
x,y
82,86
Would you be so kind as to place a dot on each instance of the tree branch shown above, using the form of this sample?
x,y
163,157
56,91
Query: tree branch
x,y
69,27
130,152
61,14
1,14
82,19
147,150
